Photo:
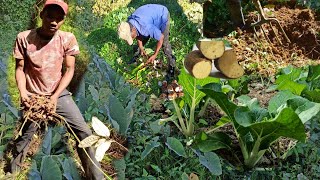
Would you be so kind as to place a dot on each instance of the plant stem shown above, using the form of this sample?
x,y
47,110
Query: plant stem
x,y
172,120
215,128
256,154
190,126
204,107
182,124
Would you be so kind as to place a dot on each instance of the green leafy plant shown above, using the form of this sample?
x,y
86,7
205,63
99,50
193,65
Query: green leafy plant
x,y
301,81
185,122
254,127
109,95
51,162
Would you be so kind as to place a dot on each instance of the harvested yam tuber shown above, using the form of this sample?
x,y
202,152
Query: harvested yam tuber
x,y
211,49
228,65
197,65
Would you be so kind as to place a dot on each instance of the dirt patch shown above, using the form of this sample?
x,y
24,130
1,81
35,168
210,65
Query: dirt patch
x,y
259,91
256,54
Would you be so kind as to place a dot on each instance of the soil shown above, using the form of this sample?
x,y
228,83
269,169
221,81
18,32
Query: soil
x,y
258,55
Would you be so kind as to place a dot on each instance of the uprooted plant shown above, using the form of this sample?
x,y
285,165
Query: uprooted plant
x,y
101,140
40,110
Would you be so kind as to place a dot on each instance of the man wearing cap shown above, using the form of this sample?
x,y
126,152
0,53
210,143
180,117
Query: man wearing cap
x,y
150,20
40,54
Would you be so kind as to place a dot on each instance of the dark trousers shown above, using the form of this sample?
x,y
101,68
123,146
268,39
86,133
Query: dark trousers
x,y
67,108
166,46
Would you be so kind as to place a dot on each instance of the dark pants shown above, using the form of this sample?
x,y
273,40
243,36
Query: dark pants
x,y
166,47
67,108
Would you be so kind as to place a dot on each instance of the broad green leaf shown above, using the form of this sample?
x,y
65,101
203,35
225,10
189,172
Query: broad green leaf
x,y
247,101
33,173
283,125
291,73
155,127
176,146
245,116
46,145
70,171
222,100
305,109
118,114
313,95
120,166
292,86
50,169
211,161
314,73
279,100
150,146
94,93
218,140
189,83
184,176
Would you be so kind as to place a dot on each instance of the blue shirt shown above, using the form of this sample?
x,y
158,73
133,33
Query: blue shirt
x,y
150,20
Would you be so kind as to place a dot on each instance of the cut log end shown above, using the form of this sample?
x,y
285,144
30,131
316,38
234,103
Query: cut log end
x,y
228,65
197,65
211,49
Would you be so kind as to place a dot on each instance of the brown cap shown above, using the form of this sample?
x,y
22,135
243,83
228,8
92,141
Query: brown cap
x,y
60,3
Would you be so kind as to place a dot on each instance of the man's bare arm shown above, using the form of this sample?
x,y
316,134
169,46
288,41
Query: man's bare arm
x,y
21,79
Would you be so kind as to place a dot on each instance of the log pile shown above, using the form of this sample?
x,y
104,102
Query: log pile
x,y
198,63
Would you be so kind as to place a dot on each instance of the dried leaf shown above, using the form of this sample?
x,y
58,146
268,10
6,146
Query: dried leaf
x,y
193,177
88,141
100,141
100,128
101,150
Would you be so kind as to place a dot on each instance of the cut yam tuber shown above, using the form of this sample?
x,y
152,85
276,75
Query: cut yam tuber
x,y
211,49
228,65
197,65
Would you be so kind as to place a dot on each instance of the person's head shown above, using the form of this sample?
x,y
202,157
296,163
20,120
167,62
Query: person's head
x,y
52,15
127,32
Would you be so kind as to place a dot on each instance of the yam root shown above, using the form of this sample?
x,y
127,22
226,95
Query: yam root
x,y
228,65
211,49
197,65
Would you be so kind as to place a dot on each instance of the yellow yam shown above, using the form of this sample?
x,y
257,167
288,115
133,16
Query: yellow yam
x,y
211,49
228,65
197,65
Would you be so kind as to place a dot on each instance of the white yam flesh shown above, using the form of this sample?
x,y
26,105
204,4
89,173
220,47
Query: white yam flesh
x,y
197,65
211,49
228,65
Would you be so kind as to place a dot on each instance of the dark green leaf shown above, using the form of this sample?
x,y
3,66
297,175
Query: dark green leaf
x,y
150,146
176,146
50,169
211,161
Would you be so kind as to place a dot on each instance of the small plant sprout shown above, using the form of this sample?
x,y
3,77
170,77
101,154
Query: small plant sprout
x,y
101,140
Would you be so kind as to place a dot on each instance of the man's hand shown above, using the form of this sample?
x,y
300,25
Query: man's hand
x,y
143,52
151,59
25,99
54,101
